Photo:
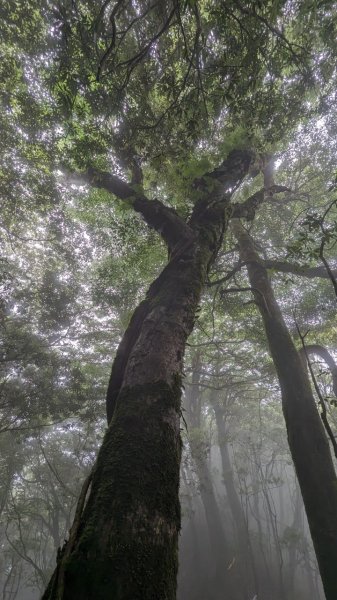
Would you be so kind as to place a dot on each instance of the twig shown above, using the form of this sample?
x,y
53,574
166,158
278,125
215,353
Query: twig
x,y
247,289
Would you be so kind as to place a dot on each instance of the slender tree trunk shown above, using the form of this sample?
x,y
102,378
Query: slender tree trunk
x,y
199,450
322,352
281,500
307,440
274,535
245,558
194,582
219,544
123,542
295,531
266,582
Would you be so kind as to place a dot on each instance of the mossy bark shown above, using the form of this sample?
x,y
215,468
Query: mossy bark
x,y
307,440
127,540
126,544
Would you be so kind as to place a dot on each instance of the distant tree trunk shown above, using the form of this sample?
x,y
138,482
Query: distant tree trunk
x,y
295,534
123,542
221,553
274,535
281,500
307,440
194,582
245,557
266,581
219,544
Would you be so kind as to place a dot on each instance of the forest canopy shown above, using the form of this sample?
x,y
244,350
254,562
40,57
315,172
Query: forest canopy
x,y
168,207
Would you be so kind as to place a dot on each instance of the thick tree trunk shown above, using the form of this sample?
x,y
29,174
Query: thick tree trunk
x,y
126,542
123,543
307,440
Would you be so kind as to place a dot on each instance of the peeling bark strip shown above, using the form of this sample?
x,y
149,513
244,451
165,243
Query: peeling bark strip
x,y
307,440
127,538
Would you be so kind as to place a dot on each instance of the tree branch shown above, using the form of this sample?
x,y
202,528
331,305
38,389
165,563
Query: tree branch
x,y
165,220
228,275
246,289
280,266
323,353
321,400
302,271
230,172
328,269
246,209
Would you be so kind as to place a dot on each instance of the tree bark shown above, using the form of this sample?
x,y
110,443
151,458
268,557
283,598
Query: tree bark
x,y
307,440
123,546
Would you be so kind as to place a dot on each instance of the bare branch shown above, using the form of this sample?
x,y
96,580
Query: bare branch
x,y
228,275
113,36
322,352
302,271
281,267
248,208
321,400
247,289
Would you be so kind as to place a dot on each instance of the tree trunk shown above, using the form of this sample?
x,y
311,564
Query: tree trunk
x,y
295,535
126,543
245,558
224,574
307,440
264,564
193,580
123,542
223,579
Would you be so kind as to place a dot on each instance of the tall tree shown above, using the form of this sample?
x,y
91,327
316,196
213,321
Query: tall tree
x,y
102,89
132,514
307,438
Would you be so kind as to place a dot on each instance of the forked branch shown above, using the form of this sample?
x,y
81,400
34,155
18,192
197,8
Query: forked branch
x,y
164,219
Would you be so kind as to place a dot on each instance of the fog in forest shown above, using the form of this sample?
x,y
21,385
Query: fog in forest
x,y
243,519
261,536
168,287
